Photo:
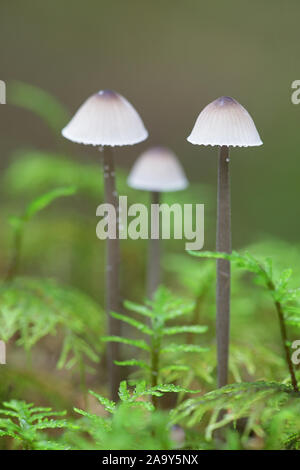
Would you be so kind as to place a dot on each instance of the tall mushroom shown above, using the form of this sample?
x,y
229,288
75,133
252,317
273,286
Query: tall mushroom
x,y
224,123
156,170
107,119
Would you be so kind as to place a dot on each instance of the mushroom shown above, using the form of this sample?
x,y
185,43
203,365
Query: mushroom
x,y
107,119
224,123
156,170
2,92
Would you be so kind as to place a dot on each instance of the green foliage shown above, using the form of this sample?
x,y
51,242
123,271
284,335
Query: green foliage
x,y
197,281
271,411
40,102
31,384
26,425
32,171
263,271
43,170
257,414
265,411
19,222
45,200
37,205
34,308
164,307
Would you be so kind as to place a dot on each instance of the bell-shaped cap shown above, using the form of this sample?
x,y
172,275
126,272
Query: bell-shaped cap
x,y
157,169
225,122
106,118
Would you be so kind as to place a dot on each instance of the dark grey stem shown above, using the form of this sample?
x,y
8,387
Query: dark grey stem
x,y
16,259
223,266
285,345
155,358
153,274
112,277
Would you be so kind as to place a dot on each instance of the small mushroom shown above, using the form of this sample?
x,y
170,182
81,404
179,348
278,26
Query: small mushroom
x,y
156,170
107,119
224,123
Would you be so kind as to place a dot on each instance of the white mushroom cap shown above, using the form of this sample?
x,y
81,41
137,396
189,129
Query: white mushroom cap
x,y
106,118
225,122
157,169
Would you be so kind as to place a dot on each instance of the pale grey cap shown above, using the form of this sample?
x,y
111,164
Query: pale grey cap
x,y
106,118
157,169
225,122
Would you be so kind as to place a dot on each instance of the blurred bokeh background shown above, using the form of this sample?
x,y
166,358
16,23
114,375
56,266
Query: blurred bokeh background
x,y
169,58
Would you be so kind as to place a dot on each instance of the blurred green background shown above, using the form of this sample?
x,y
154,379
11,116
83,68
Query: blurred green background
x,y
170,58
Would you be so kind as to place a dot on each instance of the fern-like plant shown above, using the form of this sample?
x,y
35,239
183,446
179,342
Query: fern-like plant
x,y
25,424
164,308
283,295
133,423
35,308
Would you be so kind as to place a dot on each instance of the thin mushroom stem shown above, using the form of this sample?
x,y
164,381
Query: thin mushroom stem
x,y
223,266
112,276
153,275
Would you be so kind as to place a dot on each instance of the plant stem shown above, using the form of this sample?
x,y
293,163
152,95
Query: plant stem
x,y
285,345
112,276
153,275
153,280
83,384
155,352
223,266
